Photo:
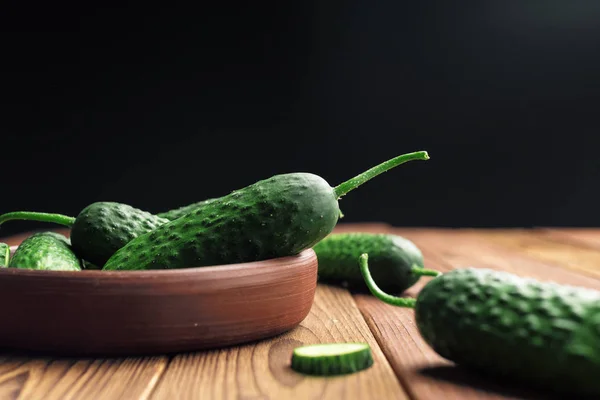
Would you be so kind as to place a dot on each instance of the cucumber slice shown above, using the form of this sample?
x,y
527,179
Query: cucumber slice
x,y
327,359
4,254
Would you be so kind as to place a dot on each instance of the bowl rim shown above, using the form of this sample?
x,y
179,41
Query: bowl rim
x,y
307,253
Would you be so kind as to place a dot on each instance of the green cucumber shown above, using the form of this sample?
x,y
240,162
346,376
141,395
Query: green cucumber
x,y
327,359
540,333
100,229
45,251
396,263
275,217
4,255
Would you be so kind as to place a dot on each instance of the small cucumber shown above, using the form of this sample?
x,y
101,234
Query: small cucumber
x,y
541,333
396,263
100,229
4,255
275,217
327,359
45,251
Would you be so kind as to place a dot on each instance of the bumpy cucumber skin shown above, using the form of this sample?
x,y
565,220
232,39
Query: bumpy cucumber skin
x,y
274,217
4,255
391,258
495,322
45,251
102,228
329,365
181,211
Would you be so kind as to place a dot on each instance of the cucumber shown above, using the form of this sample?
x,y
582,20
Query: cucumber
x,y
45,251
327,359
396,263
100,229
540,333
4,255
275,217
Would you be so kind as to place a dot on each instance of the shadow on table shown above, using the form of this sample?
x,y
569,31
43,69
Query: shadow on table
x,y
506,387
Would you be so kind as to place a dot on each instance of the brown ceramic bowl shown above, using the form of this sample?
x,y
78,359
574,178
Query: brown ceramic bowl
x,y
111,313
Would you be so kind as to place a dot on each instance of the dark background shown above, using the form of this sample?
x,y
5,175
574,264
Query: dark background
x,y
160,108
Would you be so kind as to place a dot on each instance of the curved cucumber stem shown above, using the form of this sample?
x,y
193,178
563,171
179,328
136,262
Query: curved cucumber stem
x,y
417,271
363,262
371,173
38,216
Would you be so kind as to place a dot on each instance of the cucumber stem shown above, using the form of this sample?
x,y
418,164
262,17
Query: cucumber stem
x,y
371,173
418,271
38,216
363,262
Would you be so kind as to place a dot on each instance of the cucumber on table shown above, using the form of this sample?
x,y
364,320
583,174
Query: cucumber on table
x,y
395,262
4,255
45,251
327,359
541,333
275,217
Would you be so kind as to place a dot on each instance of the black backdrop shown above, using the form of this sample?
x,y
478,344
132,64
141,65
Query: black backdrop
x,y
158,108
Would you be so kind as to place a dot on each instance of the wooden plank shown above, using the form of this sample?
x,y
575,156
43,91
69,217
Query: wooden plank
x,y
546,247
32,378
261,370
480,248
589,237
423,373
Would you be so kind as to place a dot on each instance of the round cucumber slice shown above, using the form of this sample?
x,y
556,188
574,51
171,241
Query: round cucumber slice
x,y
327,359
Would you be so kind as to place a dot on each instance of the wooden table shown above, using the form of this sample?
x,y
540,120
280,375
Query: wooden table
x,y
405,367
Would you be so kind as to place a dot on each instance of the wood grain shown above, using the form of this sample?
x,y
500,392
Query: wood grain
x,y
466,247
262,371
552,249
577,236
28,378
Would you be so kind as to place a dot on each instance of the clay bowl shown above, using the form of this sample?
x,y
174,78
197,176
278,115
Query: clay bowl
x,y
115,313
